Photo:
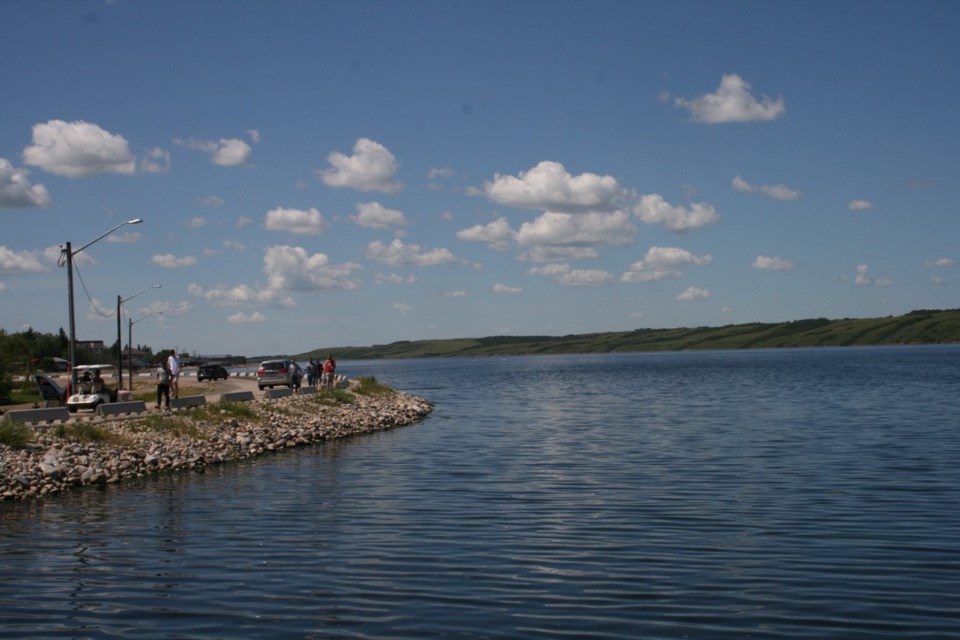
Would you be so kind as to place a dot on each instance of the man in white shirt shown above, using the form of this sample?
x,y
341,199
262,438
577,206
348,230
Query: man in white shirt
x,y
173,363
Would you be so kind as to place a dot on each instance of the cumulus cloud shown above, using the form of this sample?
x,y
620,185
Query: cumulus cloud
x,y
371,168
293,269
863,278
155,161
497,234
246,318
374,215
586,229
732,102
210,201
653,209
393,278
693,293
78,149
548,186
170,261
197,222
941,262
502,288
775,191
225,152
859,205
398,254
402,308
17,262
660,263
300,221
585,278
772,263
224,295
16,190
542,253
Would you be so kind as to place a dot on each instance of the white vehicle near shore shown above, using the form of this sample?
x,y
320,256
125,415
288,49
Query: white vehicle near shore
x,y
91,393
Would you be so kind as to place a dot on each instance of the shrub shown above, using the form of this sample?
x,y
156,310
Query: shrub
x,y
15,435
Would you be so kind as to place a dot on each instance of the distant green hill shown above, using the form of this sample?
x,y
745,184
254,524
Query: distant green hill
x,y
916,327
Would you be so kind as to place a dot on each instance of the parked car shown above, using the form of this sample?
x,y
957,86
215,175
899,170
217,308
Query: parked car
x,y
276,373
211,372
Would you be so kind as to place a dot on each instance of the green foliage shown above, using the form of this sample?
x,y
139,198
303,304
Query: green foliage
x,y
368,386
331,397
917,327
170,424
15,435
83,432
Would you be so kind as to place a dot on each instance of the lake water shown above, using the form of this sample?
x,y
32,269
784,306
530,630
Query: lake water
x,y
735,494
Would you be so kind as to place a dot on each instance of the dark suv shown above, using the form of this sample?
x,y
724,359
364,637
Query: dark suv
x,y
211,372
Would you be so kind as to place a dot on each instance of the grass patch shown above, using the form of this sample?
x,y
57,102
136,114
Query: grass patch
x,y
226,410
15,435
169,424
332,397
368,386
84,433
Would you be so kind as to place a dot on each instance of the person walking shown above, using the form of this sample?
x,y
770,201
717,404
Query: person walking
x,y
329,369
173,365
163,384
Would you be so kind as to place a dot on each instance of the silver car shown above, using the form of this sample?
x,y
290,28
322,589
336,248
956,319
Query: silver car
x,y
274,373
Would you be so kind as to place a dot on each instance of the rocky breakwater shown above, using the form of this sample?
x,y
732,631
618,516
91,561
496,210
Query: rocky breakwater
x,y
110,451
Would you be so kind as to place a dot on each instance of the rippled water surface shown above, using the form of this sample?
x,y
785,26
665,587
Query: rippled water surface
x,y
766,494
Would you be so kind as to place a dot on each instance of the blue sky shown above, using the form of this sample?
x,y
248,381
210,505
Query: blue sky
x,y
316,174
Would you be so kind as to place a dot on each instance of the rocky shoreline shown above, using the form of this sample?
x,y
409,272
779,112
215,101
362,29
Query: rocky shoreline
x,y
58,460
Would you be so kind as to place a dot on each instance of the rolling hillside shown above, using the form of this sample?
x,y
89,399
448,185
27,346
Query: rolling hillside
x,y
916,327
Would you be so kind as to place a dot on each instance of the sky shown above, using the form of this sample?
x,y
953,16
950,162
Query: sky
x,y
316,174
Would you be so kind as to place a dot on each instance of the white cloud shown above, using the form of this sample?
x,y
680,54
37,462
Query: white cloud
x,y
155,161
732,102
659,263
210,201
247,318
497,234
124,238
542,253
78,149
772,263
653,209
293,269
441,172
775,191
502,288
197,222
937,280
223,295
585,278
398,254
693,293
226,152
555,269
371,168
300,221
254,135
859,205
170,261
548,186
233,244
16,191
16,262
374,215
393,278
863,278
402,308
586,229
453,294
941,262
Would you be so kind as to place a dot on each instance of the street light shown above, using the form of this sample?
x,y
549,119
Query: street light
x,y
130,341
120,301
67,253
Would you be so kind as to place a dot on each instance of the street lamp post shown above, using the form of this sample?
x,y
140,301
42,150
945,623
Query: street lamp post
x,y
132,322
67,254
120,301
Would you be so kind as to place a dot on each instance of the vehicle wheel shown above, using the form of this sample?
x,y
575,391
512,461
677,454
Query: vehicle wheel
x,y
261,387
72,409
